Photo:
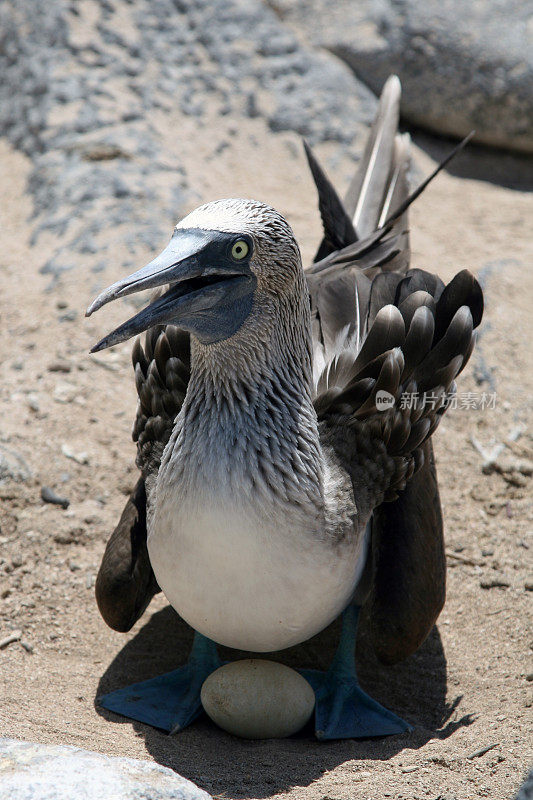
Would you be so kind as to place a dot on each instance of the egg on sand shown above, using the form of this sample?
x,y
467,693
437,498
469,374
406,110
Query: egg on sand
x,y
258,699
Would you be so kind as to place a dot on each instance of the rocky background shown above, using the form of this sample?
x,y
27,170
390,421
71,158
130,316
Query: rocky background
x,y
463,66
118,117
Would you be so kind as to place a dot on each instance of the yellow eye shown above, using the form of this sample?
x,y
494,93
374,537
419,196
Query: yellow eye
x,y
239,250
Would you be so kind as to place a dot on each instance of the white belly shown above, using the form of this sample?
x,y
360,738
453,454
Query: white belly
x,y
246,581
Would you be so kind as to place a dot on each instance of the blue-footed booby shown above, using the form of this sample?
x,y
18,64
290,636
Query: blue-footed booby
x,y
283,434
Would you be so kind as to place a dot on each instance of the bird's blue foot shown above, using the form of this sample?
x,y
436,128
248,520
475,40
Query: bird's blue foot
x,y
170,701
343,710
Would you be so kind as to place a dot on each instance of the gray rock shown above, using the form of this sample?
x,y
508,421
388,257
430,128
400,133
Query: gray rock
x,y
49,496
307,92
463,66
31,771
13,466
83,110
526,790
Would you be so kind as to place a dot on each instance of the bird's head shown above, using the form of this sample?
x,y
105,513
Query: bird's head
x,y
222,257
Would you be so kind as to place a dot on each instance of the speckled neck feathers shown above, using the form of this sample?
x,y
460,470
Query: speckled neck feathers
x,y
248,425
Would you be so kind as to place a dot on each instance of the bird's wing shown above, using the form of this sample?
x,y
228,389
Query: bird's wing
x,y
126,582
404,373
409,565
162,372
380,327
379,426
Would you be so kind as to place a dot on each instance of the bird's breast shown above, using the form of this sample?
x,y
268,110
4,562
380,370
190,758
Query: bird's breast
x,y
246,577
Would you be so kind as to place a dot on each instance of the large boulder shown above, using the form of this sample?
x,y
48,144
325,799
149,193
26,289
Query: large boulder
x,y
30,771
463,66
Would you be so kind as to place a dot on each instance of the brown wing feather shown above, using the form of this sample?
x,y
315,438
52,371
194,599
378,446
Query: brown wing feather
x,y
388,455
409,586
126,582
407,364
162,370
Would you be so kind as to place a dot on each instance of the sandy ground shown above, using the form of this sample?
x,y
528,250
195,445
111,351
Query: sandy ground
x,y
68,416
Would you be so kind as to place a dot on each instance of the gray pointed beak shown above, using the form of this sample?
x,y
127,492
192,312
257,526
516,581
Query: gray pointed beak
x,y
209,293
176,261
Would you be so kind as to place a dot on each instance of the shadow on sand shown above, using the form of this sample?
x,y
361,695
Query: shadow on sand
x,y
228,766
479,162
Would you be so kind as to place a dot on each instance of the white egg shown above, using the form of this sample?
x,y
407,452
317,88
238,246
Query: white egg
x,y
258,699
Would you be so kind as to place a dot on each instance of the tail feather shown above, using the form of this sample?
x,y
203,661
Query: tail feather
x,y
397,195
370,186
398,179
338,227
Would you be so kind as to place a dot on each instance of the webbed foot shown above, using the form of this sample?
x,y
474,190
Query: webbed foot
x,y
170,701
343,710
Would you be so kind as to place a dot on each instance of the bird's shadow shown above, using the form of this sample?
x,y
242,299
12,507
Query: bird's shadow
x,y
234,768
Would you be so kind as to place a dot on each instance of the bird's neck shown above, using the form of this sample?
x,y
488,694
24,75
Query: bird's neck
x,y
248,421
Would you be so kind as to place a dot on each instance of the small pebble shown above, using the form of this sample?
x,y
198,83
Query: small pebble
x,y
33,403
494,583
68,537
14,636
528,586
68,316
65,392
258,699
49,496
79,458
59,366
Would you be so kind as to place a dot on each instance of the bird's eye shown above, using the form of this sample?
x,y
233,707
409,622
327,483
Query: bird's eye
x,y
239,250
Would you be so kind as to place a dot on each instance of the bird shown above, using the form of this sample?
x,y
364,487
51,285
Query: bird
x,y
284,437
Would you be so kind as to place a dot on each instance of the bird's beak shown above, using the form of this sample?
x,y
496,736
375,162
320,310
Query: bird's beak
x,y
200,272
